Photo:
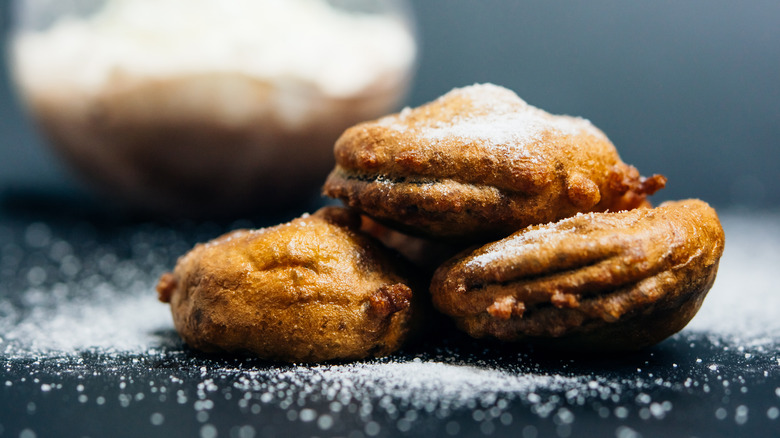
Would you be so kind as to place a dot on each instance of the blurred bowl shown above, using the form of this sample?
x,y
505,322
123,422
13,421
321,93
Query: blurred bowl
x,y
208,107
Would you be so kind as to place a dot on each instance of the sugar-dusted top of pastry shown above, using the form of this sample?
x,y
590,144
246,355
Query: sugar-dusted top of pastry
x,y
488,114
531,239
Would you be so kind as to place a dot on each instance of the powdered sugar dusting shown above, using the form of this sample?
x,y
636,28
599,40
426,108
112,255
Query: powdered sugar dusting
x,y
530,240
496,117
422,380
743,304
429,385
113,322
512,248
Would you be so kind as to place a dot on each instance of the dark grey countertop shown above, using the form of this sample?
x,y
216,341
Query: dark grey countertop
x,y
86,350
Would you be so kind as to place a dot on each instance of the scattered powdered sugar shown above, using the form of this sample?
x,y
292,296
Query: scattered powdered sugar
x,y
743,304
497,117
66,295
113,322
530,240
430,385
425,381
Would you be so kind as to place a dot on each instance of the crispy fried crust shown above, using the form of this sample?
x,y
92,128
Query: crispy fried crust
x,y
424,254
616,281
480,161
310,290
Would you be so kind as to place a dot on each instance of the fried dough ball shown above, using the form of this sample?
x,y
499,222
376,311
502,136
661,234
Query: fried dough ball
x,y
480,161
606,281
310,290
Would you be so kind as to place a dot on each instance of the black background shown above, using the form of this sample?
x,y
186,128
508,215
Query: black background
x,y
685,88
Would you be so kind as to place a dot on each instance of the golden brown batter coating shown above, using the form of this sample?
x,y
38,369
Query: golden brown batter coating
x,y
310,290
481,161
425,254
616,281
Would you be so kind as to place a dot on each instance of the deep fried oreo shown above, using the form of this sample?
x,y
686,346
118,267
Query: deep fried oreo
x,y
480,162
614,281
310,290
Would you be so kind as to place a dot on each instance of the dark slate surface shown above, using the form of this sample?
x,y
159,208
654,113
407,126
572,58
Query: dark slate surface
x,y
698,383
